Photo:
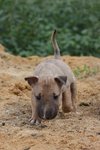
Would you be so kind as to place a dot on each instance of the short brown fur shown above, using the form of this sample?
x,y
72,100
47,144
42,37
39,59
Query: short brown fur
x,y
53,82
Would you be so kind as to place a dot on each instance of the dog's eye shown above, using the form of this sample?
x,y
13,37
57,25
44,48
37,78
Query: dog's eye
x,y
55,96
38,97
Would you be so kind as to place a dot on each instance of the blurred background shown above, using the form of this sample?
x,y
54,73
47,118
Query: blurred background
x,y
26,26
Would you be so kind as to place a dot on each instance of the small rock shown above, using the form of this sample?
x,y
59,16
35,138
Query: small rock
x,y
80,118
43,126
98,133
27,148
84,104
3,123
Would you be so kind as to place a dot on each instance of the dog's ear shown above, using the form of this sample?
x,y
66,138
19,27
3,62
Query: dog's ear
x,y
31,80
61,80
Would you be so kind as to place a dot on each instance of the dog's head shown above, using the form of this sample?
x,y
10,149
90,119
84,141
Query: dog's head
x,y
47,93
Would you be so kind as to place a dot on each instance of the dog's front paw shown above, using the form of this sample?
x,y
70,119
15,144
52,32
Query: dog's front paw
x,y
35,121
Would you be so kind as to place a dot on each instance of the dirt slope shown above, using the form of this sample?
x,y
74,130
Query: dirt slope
x,y
66,132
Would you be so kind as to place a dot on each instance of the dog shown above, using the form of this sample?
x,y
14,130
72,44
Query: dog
x,y
53,84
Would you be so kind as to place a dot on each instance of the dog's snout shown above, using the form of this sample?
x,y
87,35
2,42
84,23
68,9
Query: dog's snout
x,y
48,113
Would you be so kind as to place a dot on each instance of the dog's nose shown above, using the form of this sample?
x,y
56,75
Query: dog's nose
x,y
50,114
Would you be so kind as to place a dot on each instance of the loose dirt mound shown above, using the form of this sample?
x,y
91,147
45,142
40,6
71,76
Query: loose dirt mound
x,y
66,132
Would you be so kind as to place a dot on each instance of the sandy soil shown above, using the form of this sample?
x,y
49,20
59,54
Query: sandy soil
x,y
65,132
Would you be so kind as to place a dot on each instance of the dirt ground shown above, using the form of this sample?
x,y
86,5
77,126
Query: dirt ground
x,y
66,132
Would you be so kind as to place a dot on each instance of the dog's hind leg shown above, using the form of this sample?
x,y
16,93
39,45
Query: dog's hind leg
x,y
73,95
67,105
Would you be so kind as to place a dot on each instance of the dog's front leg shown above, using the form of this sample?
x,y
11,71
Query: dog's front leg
x,y
34,118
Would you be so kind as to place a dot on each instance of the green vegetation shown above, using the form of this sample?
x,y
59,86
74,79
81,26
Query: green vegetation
x,y
85,71
26,26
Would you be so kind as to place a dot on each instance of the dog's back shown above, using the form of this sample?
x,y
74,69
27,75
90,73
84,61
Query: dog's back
x,y
54,67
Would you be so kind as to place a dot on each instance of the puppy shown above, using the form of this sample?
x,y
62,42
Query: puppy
x,y
53,83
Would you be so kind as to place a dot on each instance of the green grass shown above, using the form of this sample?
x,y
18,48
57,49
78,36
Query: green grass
x,y
85,71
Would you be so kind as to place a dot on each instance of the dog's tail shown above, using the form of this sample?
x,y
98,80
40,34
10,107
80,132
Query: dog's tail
x,y
55,45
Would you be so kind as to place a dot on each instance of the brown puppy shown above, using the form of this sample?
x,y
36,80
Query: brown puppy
x,y
52,83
